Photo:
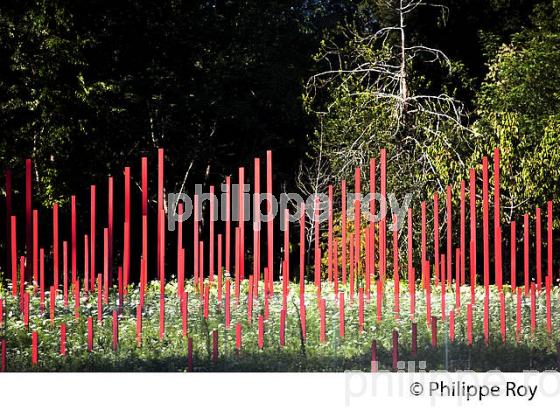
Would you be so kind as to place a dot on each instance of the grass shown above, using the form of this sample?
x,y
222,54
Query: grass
x,y
532,351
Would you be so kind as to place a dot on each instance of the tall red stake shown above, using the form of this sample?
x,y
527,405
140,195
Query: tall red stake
x,y
513,256
55,246
526,251
270,218
343,223
472,216
539,248
497,226
485,232
28,221
462,239
92,232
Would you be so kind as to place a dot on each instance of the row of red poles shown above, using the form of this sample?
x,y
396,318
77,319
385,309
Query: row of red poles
x,y
357,273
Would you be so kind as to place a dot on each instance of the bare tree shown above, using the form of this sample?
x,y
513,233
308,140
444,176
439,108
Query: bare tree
x,y
373,71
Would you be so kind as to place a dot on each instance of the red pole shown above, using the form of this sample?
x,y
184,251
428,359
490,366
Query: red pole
x,y
549,240
13,256
35,250
106,265
115,328
92,232
396,279
361,309
330,237
539,248
55,245
161,232
302,251
126,252
526,251
261,332
513,256
317,250
341,314
436,239
63,339
395,349
8,176
228,224
110,216
220,269
211,244
86,264
286,273
323,325
497,226
485,233
462,240
411,280
28,221
343,222
41,280
73,240
195,239
357,221
180,252
472,215
65,270
34,345
449,235
257,225
372,211
383,227
90,334
423,240
241,222
144,166
270,220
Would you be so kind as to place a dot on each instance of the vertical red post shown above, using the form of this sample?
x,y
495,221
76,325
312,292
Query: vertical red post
x,y
65,270
35,348
463,226
395,349
270,219
215,346
228,223
396,279
63,339
41,280
55,246
434,331
317,253
126,251
549,240
86,264
526,251
357,221
330,236
436,238
90,334
343,223
241,222
106,266
538,248
28,221
8,176
485,232
374,357
92,232
513,256
302,251
472,242
449,234
73,240
257,225
261,332
220,268
144,199
211,244
110,216
497,226
160,209
372,211
195,239
35,250
115,327
238,341
341,315
383,225
423,242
